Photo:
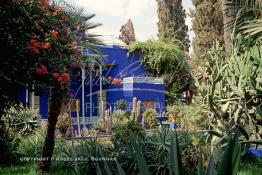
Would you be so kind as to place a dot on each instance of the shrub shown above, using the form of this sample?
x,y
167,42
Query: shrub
x,y
119,114
172,113
165,60
127,131
99,125
121,105
31,145
118,118
8,145
189,117
149,118
63,122
22,120
89,150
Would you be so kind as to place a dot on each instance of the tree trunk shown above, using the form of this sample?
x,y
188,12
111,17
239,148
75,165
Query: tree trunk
x,y
228,21
55,103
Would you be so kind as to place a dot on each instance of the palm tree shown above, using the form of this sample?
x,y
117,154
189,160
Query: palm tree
x,y
228,20
57,98
242,16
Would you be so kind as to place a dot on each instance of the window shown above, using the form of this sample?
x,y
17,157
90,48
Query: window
x,y
149,104
34,101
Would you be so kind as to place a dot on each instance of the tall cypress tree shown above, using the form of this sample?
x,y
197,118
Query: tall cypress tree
x,y
127,32
207,24
171,25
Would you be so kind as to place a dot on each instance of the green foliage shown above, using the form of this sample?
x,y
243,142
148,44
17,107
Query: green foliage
x,y
31,145
119,118
149,118
121,105
43,44
207,24
90,150
250,167
229,158
63,122
165,60
22,120
128,130
29,169
8,145
172,113
246,17
171,26
232,91
190,117
160,153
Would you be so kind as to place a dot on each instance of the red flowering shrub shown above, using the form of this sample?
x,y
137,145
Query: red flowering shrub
x,y
44,28
56,75
34,33
54,34
110,78
37,46
41,70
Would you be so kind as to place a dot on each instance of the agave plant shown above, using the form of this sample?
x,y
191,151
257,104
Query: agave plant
x,y
228,161
22,120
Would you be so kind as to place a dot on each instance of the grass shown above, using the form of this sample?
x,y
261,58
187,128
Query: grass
x,y
253,167
30,169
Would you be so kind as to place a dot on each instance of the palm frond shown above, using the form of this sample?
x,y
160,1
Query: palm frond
x,y
247,16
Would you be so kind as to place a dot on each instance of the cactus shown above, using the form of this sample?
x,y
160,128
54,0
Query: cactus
x,y
135,114
108,120
231,90
138,111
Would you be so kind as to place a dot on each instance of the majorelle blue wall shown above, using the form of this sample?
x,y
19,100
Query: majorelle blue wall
x,y
123,65
129,65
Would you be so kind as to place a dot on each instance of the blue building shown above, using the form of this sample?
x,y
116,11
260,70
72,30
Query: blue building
x,y
120,66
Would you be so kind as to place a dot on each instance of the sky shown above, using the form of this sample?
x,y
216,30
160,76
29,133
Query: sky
x,y
115,13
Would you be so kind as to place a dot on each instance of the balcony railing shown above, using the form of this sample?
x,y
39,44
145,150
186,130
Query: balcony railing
x,y
151,80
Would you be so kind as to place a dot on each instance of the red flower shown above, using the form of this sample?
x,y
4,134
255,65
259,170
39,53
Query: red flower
x,y
33,44
66,77
56,10
110,78
45,45
116,82
74,45
33,49
60,80
54,34
45,4
41,70
56,75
